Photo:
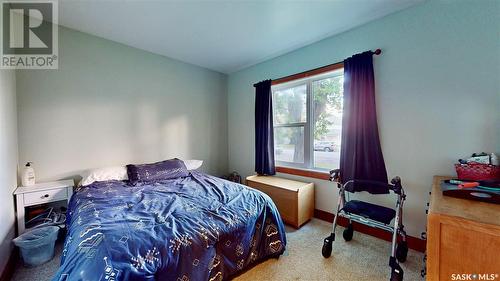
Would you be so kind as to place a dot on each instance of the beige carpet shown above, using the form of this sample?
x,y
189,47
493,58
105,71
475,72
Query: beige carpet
x,y
363,258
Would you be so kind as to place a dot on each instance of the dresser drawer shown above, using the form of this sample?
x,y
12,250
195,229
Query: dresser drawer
x,y
45,196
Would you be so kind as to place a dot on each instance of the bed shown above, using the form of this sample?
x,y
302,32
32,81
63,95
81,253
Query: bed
x,y
198,227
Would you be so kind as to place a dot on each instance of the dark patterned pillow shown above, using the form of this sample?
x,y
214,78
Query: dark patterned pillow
x,y
168,169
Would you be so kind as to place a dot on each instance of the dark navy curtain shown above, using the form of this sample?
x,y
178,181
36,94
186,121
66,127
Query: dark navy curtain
x,y
360,154
264,136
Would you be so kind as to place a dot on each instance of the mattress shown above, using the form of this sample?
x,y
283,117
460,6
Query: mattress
x,y
198,227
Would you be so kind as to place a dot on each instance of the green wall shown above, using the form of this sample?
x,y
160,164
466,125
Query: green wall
x,y
110,104
8,162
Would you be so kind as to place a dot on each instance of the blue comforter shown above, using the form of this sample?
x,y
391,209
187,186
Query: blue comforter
x,y
194,228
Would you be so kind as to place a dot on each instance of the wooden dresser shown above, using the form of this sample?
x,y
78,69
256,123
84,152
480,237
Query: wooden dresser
x,y
463,237
294,199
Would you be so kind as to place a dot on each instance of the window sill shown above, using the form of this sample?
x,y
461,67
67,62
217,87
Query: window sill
x,y
303,173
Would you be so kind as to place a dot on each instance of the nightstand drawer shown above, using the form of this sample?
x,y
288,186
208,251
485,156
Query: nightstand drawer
x,y
40,193
45,196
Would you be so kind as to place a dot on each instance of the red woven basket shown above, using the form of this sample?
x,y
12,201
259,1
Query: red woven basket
x,y
477,171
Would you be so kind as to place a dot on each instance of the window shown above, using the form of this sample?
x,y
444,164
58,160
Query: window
x,y
307,115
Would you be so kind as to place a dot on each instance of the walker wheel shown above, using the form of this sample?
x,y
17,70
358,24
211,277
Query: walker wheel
x,y
327,246
402,251
396,275
396,270
348,232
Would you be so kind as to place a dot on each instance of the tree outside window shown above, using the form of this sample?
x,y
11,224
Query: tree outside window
x,y
308,122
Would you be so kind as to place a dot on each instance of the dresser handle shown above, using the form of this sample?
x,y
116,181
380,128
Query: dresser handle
x,y
45,196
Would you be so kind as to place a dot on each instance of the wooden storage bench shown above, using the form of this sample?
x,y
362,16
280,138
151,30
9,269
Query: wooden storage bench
x,y
294,199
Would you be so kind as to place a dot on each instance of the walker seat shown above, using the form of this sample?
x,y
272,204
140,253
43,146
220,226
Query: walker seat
x,y
375,212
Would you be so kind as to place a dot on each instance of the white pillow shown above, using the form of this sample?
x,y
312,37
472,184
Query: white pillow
x,y
193,164
104,174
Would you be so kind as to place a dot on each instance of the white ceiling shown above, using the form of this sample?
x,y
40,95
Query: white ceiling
x,y
224,35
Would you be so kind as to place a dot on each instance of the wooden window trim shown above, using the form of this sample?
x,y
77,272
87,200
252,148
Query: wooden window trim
x,y
303,173
302,75
305,74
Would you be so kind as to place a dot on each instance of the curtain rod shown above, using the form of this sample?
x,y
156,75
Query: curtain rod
x,y
376,52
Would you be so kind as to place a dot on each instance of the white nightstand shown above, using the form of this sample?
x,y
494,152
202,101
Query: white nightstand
x,y
40,193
